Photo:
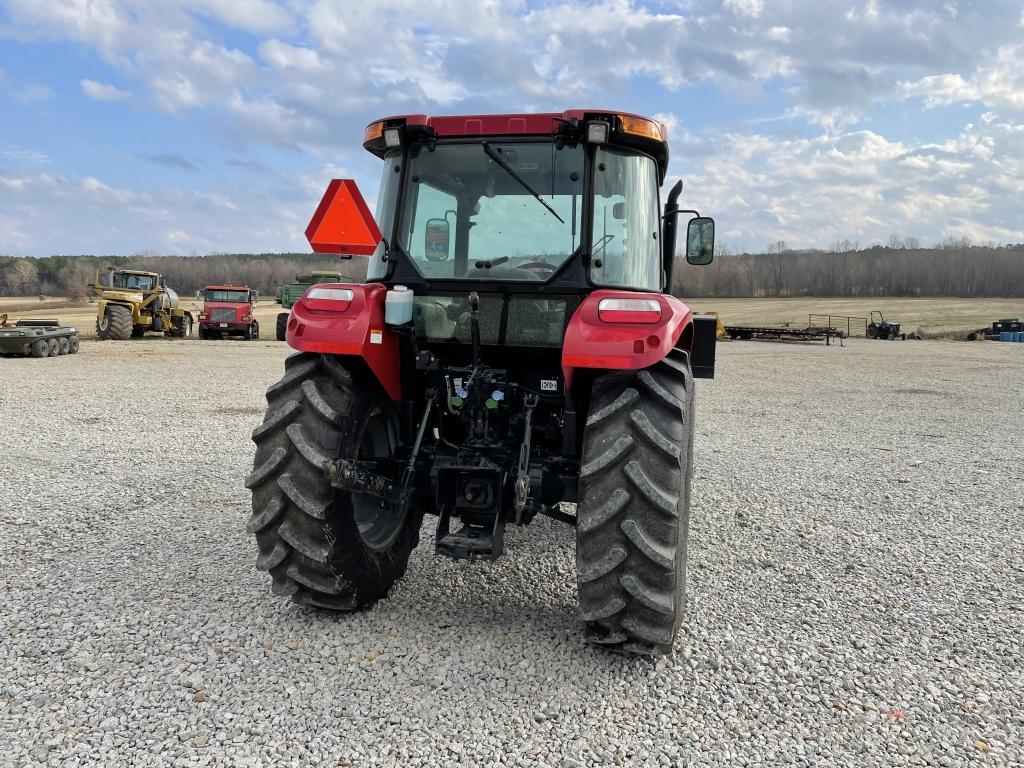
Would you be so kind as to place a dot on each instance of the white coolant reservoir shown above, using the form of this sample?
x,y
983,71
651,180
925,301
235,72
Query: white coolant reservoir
x,y
398,306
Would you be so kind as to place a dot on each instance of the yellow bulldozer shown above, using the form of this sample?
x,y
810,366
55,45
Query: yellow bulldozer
x,y
131,303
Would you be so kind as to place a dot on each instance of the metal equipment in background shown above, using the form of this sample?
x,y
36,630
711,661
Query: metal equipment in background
x,y
880,328
37,338
132,303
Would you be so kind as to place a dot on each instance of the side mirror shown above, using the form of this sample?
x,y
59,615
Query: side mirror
x,y
700,241
619,211
436,239
199,295
254,296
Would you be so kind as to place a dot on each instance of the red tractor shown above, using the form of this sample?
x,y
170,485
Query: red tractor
x,y
228,310
513,348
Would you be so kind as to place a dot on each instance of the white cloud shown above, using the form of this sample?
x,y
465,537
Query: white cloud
x,y
176,92
996,83
285,56
859,185
753,8
102,91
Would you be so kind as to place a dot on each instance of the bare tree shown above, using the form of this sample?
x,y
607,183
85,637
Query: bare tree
x,y
777,253
23,277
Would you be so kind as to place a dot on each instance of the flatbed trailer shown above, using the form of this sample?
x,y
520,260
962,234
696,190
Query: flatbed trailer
x,y
783,332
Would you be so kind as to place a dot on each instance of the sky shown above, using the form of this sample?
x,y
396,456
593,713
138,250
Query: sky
x,y
199,126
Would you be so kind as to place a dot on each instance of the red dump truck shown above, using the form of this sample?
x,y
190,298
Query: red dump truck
x,y
228,310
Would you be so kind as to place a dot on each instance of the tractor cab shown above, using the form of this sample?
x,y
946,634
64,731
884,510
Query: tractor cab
x,y
570,201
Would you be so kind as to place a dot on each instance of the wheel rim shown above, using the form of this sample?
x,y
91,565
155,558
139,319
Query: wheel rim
x,y
379,521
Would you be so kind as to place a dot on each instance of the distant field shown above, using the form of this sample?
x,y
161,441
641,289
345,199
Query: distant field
x,y
932,316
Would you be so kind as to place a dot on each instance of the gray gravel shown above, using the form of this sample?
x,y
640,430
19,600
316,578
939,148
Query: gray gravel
x,y
855,587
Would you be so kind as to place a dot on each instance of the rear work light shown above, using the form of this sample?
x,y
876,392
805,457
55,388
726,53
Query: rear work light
x,y
597,132
392,137
329,299
629,311
330,294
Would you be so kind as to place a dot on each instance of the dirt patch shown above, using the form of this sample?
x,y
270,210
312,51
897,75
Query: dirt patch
x,y
240,411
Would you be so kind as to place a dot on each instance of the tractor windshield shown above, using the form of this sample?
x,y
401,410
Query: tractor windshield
x,y
470,211
134,282
216,294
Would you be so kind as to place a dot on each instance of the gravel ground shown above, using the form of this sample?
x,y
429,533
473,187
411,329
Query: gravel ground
x,y
855,587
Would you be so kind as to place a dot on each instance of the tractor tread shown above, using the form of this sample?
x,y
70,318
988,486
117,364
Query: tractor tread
x,y
272,557
608,510
330,602
603,566
291,534
312,579
264,517
613,638
323,409
306,448
646,429
661,603
657,554
311,507
275,419
626,399
613,453
264,471
655,387
647,632
292,376
635,472
614,605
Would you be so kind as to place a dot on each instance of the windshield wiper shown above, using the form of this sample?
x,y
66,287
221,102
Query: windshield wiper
x,y
496,157
488,263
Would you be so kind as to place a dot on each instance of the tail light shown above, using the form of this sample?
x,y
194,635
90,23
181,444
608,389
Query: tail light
x,y
333,299
629,310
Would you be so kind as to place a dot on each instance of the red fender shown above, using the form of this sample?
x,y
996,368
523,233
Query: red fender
x,y
349,328
591,342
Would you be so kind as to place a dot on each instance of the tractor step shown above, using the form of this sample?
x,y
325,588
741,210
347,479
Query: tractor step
x,y
472,542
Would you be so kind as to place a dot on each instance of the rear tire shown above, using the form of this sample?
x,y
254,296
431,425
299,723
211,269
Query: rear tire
x,y
282,325
116,324
872,331
63,345
181,327
633,518
322,546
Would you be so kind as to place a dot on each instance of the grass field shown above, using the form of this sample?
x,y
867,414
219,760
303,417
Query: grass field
x,y
934,317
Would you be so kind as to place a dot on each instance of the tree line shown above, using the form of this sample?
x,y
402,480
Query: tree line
x,y
953,267
264,272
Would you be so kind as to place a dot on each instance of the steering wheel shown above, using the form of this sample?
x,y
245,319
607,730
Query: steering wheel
x,y
542,266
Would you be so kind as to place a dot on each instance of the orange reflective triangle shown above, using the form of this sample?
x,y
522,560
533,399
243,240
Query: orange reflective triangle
x,y
342,222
